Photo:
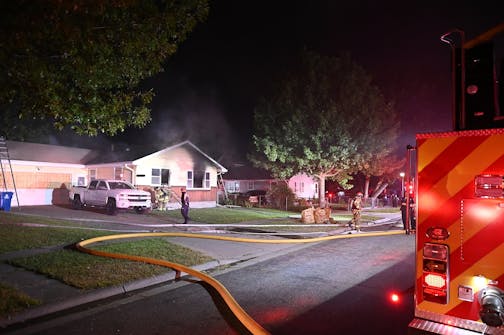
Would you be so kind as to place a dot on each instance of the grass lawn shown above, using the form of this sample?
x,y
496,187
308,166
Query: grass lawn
x,y
11,217
224,215
11,300
88,272
18,237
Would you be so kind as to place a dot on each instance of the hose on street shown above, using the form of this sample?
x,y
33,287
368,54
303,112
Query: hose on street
x,y
253,326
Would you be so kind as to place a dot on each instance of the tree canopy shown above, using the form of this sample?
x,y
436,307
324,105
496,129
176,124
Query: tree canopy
x,y
326,119
79,63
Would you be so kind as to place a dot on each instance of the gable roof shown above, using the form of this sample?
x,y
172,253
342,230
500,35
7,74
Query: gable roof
x,y
189,143
37,152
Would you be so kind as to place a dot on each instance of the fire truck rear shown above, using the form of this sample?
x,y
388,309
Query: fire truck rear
x,y
459,194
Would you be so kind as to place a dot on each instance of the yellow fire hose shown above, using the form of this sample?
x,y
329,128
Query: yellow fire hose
x,y
238,311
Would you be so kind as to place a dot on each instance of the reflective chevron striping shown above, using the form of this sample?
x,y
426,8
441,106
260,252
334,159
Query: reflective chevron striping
x,y
447,164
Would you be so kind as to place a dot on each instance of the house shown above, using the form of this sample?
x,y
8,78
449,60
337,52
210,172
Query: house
x,y
44,173
242,178
304,186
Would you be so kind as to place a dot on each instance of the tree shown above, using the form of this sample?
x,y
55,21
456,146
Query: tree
x,y
326,120
386,168
79,63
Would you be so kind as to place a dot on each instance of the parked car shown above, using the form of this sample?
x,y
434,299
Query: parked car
x,y
112,195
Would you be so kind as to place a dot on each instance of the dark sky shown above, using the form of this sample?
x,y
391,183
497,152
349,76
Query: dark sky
x,y
210,87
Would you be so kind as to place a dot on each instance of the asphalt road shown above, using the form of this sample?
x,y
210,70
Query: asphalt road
x,y
334,287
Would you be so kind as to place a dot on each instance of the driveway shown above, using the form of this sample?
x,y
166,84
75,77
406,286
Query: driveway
x,y
97,218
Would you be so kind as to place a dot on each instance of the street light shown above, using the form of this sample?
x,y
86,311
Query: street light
x,y
402,183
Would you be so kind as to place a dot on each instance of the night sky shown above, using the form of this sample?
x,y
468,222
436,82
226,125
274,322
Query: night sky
x,y
210,87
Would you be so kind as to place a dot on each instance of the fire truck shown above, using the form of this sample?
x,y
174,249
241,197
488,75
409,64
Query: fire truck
x,y
459,198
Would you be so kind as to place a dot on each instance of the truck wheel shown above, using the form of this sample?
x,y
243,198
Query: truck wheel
x,y
76,203
139,210
111,207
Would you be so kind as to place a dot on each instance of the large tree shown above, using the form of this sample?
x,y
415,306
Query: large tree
x,y
326,119
79,63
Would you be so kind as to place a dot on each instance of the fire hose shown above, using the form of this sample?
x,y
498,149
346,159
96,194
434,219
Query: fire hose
x,y
254,327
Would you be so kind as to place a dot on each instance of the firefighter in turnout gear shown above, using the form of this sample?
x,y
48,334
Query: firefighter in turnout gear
x,y
356,206
162,198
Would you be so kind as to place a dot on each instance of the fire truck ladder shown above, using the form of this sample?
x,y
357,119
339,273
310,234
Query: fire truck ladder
x,y
6,168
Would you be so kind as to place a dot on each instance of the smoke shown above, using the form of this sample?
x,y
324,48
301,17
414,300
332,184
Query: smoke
x,y
199,118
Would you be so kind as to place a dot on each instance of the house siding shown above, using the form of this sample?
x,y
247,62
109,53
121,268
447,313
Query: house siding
x,y
39,183
303,186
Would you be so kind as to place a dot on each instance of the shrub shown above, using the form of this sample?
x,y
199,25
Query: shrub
x,y
281,196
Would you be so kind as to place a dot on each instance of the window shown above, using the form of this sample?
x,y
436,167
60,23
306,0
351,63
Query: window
x,y
301,187
295,187
250,185
92,184
102,186
189,179
198,179
160,177
92,174
207,179
81,181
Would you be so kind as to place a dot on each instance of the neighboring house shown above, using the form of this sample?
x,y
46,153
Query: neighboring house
x,y
242,178
304,186
44,172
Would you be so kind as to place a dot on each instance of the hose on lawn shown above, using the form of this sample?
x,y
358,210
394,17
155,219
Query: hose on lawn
x,y
254,327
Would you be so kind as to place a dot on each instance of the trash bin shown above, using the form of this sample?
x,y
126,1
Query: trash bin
x,y
5,200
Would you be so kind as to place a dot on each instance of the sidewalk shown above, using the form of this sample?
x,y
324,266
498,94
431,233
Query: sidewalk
x,y
56,296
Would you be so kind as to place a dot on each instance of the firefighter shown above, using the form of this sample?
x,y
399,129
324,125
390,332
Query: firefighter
x,y
161,198
412,218
356,206
184,201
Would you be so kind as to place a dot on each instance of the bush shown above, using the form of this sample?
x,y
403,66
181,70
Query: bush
x,y
281,196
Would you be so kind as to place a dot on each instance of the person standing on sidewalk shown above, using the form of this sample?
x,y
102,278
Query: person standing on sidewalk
x,y
184,201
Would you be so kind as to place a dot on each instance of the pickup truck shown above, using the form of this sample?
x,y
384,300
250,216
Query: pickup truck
x,y
112,195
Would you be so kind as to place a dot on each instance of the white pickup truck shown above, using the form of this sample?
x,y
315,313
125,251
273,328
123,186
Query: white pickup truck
x,y
112,195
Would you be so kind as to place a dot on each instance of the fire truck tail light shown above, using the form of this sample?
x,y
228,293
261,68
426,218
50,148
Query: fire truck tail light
x,y
435,251
435,273
435,280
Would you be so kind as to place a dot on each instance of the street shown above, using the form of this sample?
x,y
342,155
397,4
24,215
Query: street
x,y
333,287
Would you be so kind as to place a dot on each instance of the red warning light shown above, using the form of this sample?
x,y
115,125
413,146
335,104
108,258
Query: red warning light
x,y
395,298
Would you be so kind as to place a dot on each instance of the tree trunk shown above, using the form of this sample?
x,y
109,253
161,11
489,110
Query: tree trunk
x,y
366,187
322,191
380,187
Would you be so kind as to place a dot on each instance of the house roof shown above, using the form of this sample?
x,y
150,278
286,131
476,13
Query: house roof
x,y
246,172
37,152
187,143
